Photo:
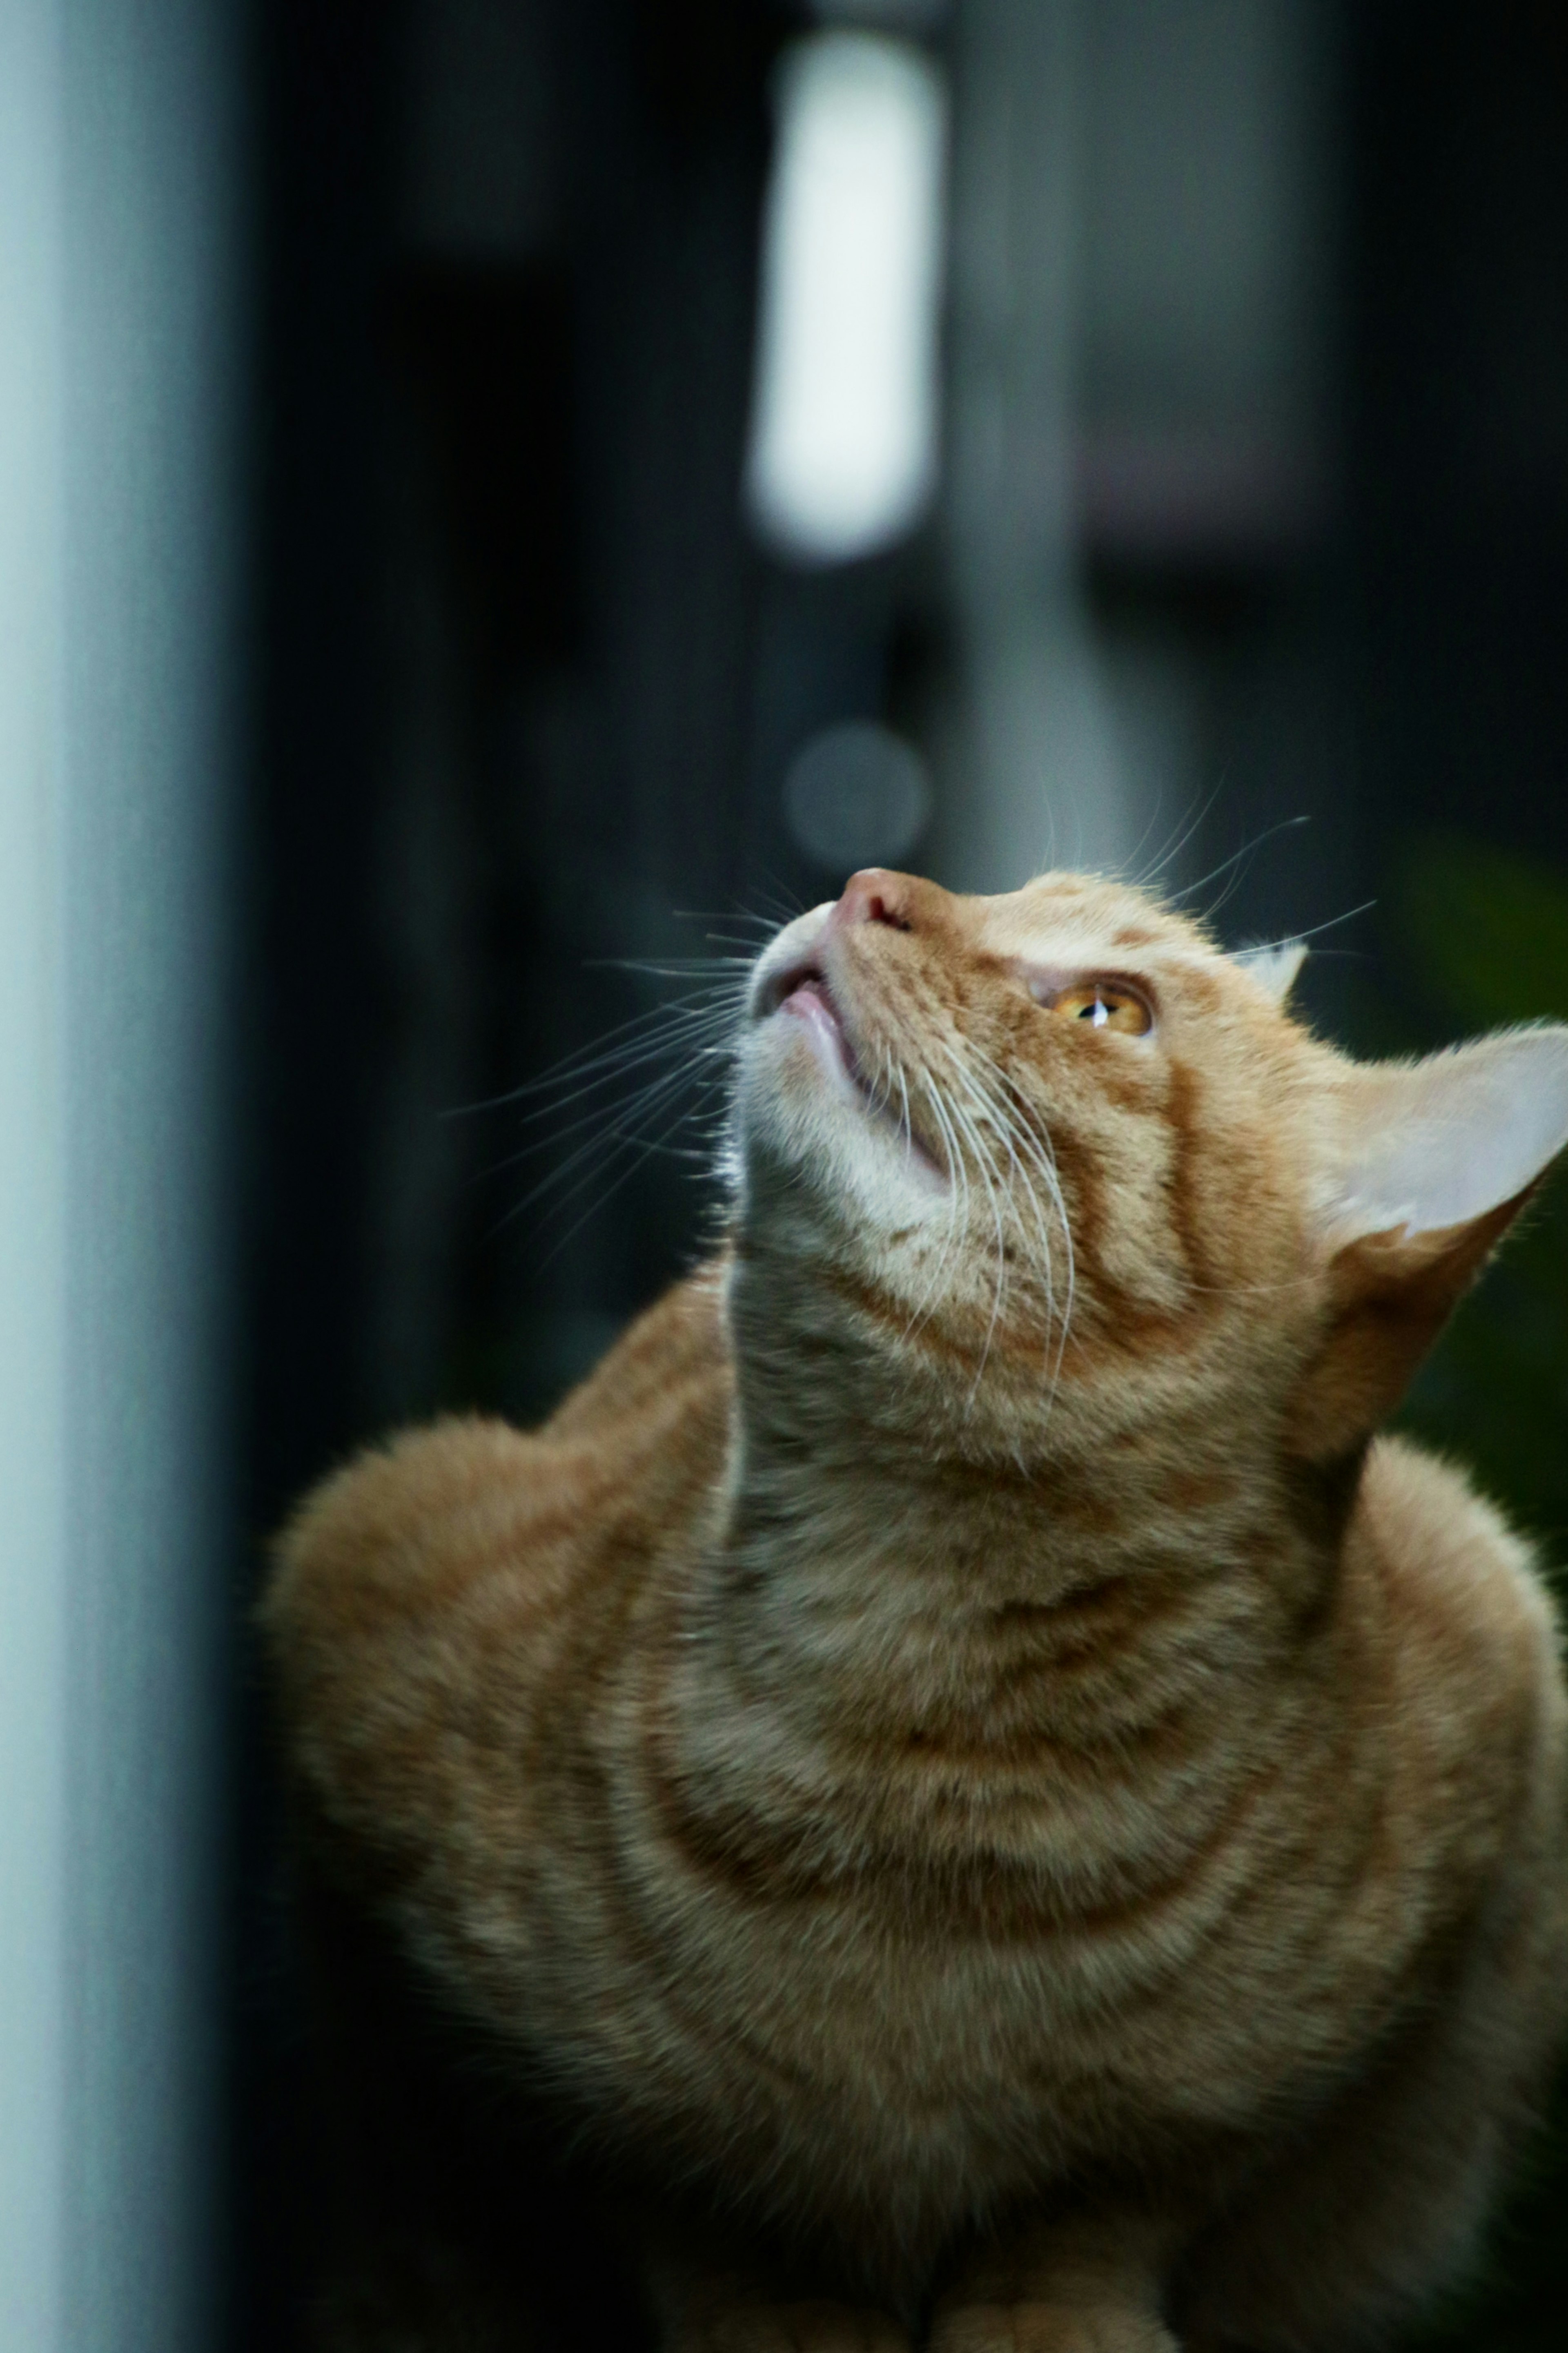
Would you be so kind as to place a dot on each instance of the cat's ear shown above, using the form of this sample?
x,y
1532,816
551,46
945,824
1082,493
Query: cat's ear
x,y
1434,1144
1273,967
1432,1162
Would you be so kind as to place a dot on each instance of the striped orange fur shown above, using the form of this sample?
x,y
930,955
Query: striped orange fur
x,y
959,1747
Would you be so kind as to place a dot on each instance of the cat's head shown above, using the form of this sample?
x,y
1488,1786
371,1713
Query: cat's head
x,y
1046,1167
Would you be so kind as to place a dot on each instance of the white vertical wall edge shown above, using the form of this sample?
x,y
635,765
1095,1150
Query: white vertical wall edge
x,y
119,593
33,1469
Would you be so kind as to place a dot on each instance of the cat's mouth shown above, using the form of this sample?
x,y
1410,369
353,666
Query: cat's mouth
x,y
801,992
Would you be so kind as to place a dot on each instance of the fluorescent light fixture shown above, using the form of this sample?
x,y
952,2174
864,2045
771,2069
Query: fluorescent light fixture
x,y
844,425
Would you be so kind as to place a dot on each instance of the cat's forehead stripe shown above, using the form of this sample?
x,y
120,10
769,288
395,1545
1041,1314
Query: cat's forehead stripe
x,y
1045,920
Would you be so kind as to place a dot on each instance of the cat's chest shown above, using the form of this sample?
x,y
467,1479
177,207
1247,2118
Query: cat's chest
x,y
954,1997
957,1945
936,1928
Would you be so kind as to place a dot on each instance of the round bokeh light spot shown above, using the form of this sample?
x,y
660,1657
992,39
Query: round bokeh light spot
x,y
856,794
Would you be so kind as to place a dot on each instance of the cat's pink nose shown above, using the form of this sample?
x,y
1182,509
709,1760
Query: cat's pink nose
x,y
875,895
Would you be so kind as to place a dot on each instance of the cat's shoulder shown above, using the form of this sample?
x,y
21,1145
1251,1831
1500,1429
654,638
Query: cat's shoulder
x,y
1461,1582
420,1522
674,1359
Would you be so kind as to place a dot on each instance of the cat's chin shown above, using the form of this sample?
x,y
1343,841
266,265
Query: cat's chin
x,y
805,1099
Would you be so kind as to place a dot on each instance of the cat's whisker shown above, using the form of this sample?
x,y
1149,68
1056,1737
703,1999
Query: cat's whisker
x,y
695,1041
668,967
751,948
599,1121
758,919
620,1132
782,905
1186,829
1037,1148
639,1155
621,1117
879,1094
1235,866
984,1162
646,1038
700,1039
987,1088
1291,939
1023,1139
1012,1139
959,1127
1020,1147
1130,868
957,1202
609,1130
983,1159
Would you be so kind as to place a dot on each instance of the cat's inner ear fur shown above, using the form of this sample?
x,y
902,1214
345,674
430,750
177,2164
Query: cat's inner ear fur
x,y
1275,967
1431,1144
1434,1160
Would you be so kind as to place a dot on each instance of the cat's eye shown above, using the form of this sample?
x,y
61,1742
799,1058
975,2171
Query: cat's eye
x,y
1103,1005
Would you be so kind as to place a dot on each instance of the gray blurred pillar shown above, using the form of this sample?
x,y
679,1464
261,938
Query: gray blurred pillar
x,y
1039,779
118,598
1139,361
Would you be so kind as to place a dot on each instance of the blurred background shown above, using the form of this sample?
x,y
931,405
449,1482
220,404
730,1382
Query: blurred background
x,y
501,501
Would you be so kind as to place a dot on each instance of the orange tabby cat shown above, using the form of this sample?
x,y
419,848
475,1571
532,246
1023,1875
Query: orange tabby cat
x,y
957,1755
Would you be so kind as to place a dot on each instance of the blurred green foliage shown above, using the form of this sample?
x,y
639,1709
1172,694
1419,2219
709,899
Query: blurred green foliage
x,y
1482,939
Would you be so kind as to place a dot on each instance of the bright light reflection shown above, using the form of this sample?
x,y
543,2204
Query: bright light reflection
x,y
843,451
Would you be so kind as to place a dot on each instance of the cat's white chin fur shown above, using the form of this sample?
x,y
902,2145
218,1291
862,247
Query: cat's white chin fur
x,y
800,1106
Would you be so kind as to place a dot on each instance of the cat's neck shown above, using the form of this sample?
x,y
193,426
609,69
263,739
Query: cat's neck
x,y
866,1564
